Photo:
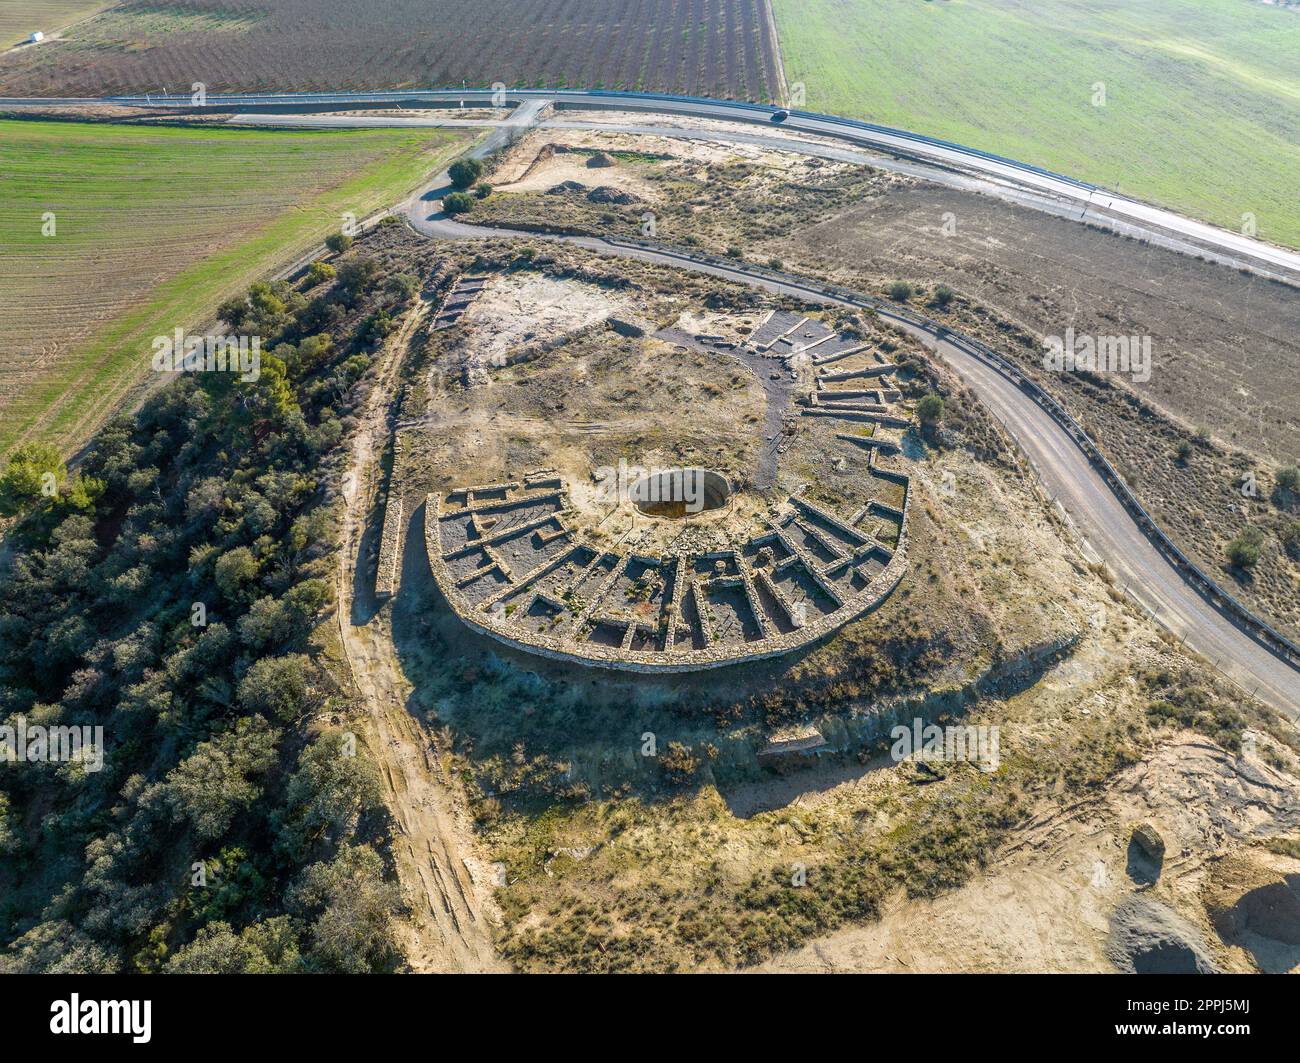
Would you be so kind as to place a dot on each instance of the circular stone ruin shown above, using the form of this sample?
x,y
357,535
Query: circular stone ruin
x,y
520,561
680,493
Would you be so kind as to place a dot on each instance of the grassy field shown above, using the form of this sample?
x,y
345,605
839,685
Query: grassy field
x,y
1202,97
18,18
154,227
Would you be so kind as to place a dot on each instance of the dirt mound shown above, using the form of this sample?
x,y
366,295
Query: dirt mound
x,y
606,194
1147,937
1253,900
600,160
566,186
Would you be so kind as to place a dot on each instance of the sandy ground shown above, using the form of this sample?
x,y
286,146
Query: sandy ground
x,y
1048,904
543,173
521,308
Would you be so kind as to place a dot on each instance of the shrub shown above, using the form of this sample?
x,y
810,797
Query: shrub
x,y
464,172
1183,452
1244,550
359,275
679,763
900,291
338,242
1290,536
319,273
280,687
402,285
458,203
1288,478
930,410
33,475
943,295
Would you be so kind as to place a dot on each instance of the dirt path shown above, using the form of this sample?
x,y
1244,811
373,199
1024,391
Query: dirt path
x,y
445,885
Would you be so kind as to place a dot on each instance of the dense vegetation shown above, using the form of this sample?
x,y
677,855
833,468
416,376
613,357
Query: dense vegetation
x,y
172,592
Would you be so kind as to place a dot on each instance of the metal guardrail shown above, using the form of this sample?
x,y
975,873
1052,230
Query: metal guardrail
x,y
1263,632
395,95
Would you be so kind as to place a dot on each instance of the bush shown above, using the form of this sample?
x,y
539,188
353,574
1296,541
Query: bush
x,y
930,410
1288,478
464,172
283,688
483,191
402,285
1245,549
338,242
943,295
1183,452
458,203
319,273
359,275
900,291
1290,536
33,476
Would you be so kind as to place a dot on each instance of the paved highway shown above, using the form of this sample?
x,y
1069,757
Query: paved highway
x,y
1242,250
791,141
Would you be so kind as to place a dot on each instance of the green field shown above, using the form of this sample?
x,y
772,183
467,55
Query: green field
x,y
154,227
18,18
1202,97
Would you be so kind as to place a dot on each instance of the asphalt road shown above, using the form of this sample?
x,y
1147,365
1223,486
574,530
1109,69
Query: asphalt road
x,y
1106,527
790,141
1109,533
1237,248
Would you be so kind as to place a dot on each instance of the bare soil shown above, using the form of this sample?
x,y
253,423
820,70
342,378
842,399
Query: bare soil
x,y
445,883
1049,904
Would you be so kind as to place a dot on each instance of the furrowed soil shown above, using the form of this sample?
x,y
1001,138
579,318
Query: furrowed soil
x,y
19,21
115,234
724,48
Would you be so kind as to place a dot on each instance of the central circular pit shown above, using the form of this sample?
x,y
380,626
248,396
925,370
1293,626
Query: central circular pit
x,y
680,493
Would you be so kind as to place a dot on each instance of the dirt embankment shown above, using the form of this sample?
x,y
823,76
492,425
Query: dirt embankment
x,y
1072,893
